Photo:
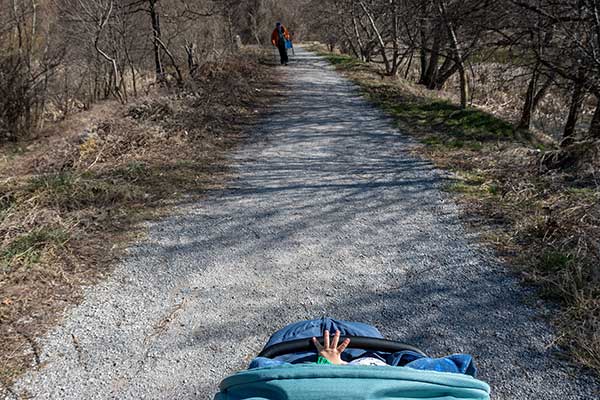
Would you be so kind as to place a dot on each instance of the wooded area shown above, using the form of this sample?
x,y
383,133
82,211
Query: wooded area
x,y
537,48
169,82
60,56
505,94
107,109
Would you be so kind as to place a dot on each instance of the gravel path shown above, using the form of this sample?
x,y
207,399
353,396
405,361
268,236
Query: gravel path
x,y
329,215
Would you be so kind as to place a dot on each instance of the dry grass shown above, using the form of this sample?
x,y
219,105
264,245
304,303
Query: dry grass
x,y
72,198
545,223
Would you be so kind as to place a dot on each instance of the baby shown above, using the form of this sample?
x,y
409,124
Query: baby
x,y
331,352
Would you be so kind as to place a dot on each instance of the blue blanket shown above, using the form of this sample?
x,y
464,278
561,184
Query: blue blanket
x,y
456,363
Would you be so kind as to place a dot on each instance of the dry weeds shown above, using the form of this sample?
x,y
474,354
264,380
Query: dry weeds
x,y
71,199
544,222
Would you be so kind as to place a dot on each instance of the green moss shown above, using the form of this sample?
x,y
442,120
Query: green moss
x,y
584,193
432,141
7,201
28,248
132,172
68,192
342,61
493,189
475,146
554,261
472,183
56,183
461,187
473,178
470,127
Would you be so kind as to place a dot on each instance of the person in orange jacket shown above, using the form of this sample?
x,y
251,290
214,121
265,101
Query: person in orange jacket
x,y
278,38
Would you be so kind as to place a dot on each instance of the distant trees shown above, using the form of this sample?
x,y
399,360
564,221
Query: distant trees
x,y
28,57
557,43
57,56
569,49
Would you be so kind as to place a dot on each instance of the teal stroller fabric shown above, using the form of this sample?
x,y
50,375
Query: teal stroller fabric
x,y
332,382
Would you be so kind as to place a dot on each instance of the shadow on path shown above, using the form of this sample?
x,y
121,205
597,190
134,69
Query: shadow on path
x,y
330,214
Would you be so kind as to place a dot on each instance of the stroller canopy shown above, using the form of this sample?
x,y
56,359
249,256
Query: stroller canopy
x,y
290,375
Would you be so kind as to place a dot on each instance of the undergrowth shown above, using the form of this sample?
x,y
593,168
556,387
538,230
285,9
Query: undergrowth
x,y
545,223
71,200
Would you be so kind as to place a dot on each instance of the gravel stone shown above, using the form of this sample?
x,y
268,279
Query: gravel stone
x,y
330,214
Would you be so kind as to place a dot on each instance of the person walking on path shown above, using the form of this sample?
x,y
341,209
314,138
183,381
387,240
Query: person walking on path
x,y
278,38
290,43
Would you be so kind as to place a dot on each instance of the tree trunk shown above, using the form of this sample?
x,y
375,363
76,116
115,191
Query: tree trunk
x,y
359,41
423,58
423,43
255,27
114,81
532,99
410,60
134,80
173,61
396,59
350,42
232,41
575,107
156,34
444,74
432,67
594,132
190,50
464,83
464,86
542,92
525,121
380,40
132,69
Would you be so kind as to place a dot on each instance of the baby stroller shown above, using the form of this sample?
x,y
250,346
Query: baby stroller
x,y
286,369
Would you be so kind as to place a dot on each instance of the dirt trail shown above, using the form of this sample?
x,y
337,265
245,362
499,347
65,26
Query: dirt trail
x,y
329,215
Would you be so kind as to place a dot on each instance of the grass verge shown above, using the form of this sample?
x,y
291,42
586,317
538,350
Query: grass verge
x,y
72,199
545,223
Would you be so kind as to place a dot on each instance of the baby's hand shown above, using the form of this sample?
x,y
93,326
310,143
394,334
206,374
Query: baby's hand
x,y
333,352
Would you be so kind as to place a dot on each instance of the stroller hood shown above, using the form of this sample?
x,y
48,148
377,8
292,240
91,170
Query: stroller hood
x,y
316,327
313,382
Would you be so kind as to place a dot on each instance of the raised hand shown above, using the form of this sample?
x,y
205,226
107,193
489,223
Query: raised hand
x,y
331,351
